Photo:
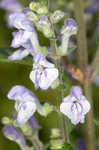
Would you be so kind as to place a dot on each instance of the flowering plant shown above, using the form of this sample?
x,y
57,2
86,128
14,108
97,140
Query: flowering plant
x,y
50,69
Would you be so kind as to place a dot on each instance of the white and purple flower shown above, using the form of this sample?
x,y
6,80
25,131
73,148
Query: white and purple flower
x,y
25,37
44,73
69,29
75,106
26,103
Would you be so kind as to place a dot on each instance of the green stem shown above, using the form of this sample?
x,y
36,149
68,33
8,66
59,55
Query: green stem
x,y
83,59
62,119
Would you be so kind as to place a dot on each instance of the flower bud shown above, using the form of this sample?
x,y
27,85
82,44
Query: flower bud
x,y
47,108
69,28
31,16
56,144
55,133
57,16
38,8
44,25
6,121
13,134
34,6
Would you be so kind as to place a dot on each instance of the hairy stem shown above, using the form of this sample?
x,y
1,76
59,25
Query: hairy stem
x,y
81,38
89,125
83,59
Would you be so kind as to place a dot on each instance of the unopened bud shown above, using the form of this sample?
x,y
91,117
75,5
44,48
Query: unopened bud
x,y
47,108
56,144
32,16
6,121
38,8
55,133
69,28
57,16
44,25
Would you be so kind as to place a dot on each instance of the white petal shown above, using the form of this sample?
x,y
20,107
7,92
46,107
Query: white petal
x,y
35,78
47,78
75,113
65,108
19,54
86,105
25,112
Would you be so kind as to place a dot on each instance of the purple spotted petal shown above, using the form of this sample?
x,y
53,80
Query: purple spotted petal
x,y
13,134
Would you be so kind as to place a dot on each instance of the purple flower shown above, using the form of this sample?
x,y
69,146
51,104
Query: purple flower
x,y
26,103
75,106
44,73
10,5
13,134
25,37
69,29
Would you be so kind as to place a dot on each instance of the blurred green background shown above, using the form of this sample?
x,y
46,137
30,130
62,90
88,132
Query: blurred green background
x,y
16,74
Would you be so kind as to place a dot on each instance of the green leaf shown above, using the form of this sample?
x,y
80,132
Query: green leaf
x,y
67,146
